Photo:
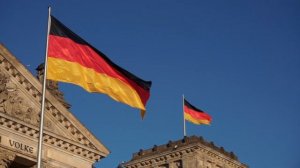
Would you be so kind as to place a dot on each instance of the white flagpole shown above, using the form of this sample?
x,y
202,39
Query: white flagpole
x,y
39,156
184,130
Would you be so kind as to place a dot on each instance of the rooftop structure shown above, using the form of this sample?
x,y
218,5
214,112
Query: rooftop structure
x,y
189,152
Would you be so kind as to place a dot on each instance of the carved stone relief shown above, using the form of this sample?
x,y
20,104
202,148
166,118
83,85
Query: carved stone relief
x,y
177,164
6,158
3,91
14,104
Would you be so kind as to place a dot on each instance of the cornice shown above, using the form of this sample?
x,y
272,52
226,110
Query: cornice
x,y
179,154
32,132
187,147
161,158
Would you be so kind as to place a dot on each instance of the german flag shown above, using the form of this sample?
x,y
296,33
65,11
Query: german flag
x,y
195,115
71,59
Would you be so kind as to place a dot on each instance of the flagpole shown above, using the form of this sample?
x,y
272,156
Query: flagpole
x,y
184,129
39,155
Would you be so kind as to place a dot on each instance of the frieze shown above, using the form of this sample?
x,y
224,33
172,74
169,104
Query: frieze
x,y
17,145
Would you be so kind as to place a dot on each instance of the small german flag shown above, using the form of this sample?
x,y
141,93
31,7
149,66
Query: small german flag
x,y
73,60
195,115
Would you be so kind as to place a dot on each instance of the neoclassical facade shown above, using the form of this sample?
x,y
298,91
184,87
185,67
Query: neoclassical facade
x,y
67,143
189,152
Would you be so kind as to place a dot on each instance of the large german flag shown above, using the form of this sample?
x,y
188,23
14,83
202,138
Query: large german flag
x,y
71,59
195,115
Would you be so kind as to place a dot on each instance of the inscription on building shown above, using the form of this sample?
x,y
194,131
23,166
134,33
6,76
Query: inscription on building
x,y
21,146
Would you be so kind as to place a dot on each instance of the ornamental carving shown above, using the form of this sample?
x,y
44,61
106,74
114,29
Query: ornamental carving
x,y
6,158
12,104
4,92
177,164
3,81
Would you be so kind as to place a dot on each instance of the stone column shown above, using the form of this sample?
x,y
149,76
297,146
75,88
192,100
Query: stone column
x,y
6,158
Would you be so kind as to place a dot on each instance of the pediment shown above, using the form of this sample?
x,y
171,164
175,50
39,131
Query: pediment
x,y
20,97
18,104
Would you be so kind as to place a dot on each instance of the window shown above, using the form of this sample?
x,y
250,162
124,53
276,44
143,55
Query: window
x,y
20,162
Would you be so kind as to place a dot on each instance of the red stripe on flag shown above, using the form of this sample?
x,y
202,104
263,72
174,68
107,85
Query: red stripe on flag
x,y
66,49
196,114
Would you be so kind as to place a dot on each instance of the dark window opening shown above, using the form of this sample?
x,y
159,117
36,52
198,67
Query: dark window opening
x,y
20,162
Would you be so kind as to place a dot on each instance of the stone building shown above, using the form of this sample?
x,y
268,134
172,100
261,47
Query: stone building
x,y
67,143
190,152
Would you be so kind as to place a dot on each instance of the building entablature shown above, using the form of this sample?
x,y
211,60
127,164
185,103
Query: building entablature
x,y
187,151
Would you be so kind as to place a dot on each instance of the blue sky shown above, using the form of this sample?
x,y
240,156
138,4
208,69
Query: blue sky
x,y
237,60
